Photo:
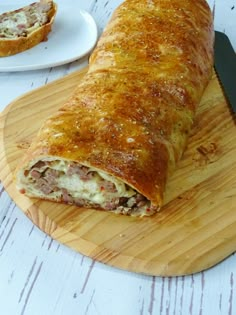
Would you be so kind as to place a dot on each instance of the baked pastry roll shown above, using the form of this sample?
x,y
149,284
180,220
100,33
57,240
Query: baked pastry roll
x,y
26,27
115,141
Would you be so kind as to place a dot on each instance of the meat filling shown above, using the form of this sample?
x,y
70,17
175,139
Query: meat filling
x,y
80,185
22,22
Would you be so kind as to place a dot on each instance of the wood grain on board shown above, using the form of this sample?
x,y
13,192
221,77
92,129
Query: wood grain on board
x,y
195,229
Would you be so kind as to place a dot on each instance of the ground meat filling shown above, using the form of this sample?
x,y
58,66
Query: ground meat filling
x,y
45,176
21,22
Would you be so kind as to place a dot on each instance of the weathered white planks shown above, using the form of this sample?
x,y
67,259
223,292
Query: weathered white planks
x,y
39,276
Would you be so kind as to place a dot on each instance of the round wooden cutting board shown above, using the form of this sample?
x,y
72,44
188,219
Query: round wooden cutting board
x,y
195,229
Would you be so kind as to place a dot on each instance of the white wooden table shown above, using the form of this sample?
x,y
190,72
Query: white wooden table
x,y
39,276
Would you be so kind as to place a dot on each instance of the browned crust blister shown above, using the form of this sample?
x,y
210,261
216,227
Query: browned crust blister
x,y
14,46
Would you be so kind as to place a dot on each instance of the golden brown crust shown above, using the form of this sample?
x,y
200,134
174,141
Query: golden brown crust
x,y
14,46
133,111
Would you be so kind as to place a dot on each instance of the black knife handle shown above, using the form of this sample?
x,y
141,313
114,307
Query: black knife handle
x,y
225,65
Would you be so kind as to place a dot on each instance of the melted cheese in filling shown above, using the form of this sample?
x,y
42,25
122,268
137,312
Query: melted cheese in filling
x,y
85,189
14,24
90,189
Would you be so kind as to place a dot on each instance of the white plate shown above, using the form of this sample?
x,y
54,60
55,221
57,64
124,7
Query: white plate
x,y
74,34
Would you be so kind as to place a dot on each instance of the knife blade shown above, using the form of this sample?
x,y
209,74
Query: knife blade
x,y
225,66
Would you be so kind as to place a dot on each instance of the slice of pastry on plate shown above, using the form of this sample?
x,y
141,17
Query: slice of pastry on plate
x,y
26,27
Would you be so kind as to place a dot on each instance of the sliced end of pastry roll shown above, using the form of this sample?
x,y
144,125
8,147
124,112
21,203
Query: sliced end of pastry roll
x,y
77,184
116,140
26,27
